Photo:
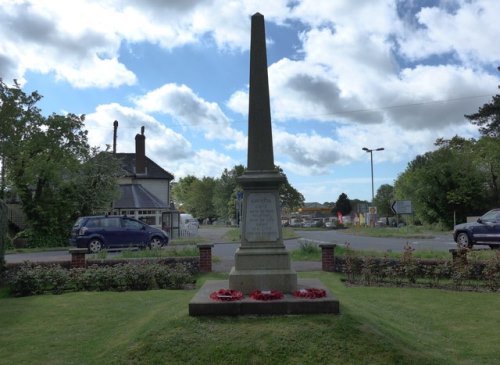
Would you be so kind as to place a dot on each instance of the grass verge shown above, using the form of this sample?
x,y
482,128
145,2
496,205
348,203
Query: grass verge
x,y
410,231
311,252
233,234
376,326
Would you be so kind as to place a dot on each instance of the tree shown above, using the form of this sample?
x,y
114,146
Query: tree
x,y
291,199
224,198
201,198
343,204
181,191
44,161
488,117
444,183
96,183
383,199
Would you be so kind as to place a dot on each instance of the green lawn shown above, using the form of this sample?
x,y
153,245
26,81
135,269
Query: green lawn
x,y
409,231
376,326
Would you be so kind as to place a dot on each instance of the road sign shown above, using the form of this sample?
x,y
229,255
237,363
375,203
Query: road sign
x,y
402,207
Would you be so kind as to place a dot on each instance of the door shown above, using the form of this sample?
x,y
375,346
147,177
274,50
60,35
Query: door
x,y
135,233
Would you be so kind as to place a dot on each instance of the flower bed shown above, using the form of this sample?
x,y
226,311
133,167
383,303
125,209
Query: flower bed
x,y
226,295
266,295
311,293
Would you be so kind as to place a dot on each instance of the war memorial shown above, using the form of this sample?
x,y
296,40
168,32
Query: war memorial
x,y
262,264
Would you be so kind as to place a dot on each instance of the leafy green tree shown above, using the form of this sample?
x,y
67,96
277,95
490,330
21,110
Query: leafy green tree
x,y
291,198
383,199
444,182
487,160
95,184
181,192
488,118
201,198
343,205
224,198
44,160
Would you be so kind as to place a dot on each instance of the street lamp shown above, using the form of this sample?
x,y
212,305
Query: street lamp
x,y
371,160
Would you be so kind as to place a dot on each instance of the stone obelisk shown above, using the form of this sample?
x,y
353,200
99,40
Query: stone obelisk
x,y
261,262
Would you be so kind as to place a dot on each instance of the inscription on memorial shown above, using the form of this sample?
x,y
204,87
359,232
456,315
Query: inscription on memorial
x,y
261,218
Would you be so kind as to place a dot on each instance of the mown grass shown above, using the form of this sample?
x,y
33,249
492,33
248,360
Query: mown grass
x,y
409,231
311,252
182,251
376,326
234,234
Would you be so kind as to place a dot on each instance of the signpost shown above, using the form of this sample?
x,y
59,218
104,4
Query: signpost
x,y
402,207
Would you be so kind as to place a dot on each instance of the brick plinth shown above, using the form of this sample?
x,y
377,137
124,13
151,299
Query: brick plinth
x,y
205,257
459,256
328,256
78,258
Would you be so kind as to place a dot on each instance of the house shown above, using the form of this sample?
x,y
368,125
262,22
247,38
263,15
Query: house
x,y
144,186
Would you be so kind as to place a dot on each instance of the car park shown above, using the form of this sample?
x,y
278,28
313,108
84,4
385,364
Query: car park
x,y
485,231
98,232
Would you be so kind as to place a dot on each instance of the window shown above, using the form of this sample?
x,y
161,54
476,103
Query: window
x,y
129,223
113,222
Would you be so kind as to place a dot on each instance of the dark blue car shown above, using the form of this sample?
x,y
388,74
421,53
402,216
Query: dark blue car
x,y
98,232
486,231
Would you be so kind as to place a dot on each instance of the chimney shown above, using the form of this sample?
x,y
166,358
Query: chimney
x,y
140,152
115,129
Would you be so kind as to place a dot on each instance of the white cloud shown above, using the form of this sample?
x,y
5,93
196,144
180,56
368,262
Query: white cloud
x,y
469,32
167,148
183,105
162,144
204,163
307,154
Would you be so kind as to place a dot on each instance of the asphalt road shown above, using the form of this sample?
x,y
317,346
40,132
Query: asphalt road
x,y
224,252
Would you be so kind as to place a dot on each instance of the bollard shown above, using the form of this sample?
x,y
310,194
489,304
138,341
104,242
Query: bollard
x,y
205,257
78,258
328,256
459,255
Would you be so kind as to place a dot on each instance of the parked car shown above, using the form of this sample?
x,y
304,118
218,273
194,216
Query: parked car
x,y
98,232
485,231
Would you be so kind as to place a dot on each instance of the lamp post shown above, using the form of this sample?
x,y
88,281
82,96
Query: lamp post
x,y
371,162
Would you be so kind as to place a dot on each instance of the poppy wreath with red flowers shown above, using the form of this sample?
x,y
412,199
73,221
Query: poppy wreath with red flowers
x,y
266,295
226,295
311,293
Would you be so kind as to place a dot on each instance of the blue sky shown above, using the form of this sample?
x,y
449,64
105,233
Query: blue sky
x,y
343,75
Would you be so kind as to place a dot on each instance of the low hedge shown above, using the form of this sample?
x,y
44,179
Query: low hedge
x,y
462,273
32,279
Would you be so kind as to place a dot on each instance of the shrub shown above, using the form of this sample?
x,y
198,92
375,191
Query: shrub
x,y
30,279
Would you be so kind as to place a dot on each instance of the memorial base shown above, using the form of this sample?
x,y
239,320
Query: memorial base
x,y
247,281
262,269
202,305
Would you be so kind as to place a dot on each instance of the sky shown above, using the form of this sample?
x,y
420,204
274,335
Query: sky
x,y
343,75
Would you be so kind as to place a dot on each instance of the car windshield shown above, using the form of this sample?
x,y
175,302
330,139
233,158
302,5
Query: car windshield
x,y
491,216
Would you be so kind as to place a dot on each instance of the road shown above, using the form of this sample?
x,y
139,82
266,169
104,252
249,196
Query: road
x,y
224,252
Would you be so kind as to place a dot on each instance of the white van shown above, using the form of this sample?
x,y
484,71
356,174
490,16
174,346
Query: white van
x,y
187,221
188,226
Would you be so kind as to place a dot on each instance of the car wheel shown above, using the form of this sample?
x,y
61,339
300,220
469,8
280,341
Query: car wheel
x,y
495,247
463,240
155,243
95,245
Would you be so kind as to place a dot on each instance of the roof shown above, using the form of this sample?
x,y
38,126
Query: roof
x,y
135,196
153,171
